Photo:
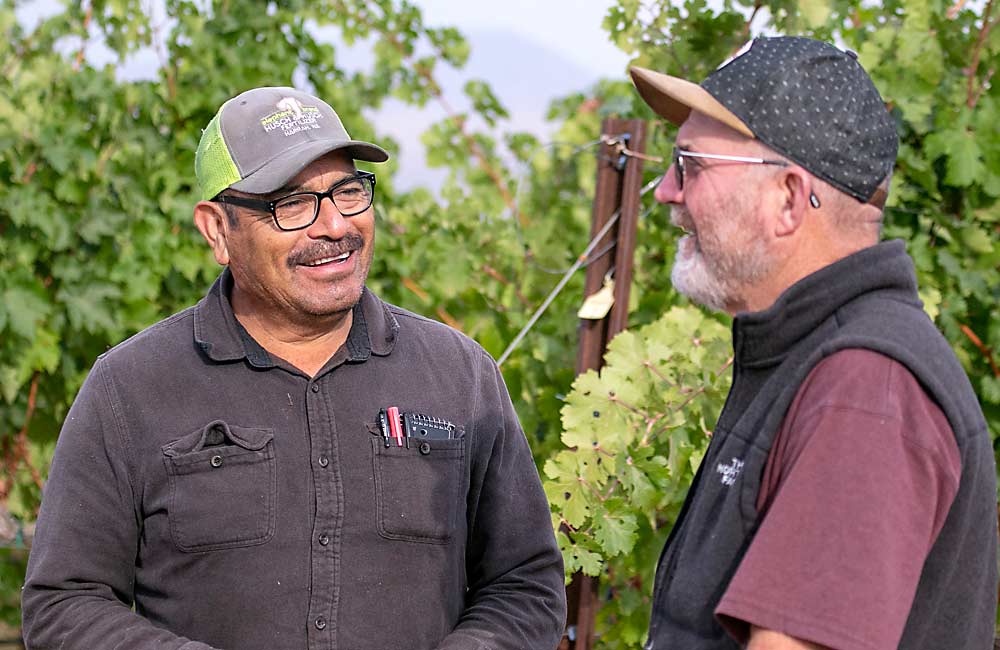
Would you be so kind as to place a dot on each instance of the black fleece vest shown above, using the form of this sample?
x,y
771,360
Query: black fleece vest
x,y
867,300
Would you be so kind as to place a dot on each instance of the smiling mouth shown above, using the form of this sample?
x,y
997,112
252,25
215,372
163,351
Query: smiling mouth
x,y
328,260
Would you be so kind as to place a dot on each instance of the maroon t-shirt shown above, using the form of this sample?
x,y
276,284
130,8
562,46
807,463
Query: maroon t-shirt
x,y
855,491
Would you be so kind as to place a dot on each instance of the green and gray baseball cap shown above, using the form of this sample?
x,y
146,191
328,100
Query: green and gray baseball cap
x,y
262,138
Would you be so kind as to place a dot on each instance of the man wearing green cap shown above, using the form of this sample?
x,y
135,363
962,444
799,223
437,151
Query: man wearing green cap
x,y
847,499
292,463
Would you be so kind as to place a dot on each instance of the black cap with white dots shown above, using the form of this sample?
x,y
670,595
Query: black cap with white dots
x,y
806,99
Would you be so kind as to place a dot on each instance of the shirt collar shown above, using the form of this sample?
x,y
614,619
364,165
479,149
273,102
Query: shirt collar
x,y
222,338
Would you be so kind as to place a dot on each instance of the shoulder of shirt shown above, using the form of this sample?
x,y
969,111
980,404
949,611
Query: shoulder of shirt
x,y
866,382
871,384
172,330
861,380
425,326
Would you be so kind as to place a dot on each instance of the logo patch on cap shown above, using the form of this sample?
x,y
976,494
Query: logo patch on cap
x,y
291,117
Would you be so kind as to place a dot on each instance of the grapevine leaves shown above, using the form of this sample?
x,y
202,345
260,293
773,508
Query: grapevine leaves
x,y
633,434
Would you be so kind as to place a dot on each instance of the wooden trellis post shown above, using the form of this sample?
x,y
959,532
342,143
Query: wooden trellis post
x,y
619,180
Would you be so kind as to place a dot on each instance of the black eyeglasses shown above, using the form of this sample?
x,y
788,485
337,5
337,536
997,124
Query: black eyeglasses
x,y
681,154
351,196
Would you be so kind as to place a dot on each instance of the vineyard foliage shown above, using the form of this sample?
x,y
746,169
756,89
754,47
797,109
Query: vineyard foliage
x,y
96,240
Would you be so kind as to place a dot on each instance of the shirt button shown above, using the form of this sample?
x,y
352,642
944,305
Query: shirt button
x,y
323,461
324,539
315,388
216,461
320,623
425,448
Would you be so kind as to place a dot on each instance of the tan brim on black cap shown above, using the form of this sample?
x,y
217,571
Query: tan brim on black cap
x,y
675,98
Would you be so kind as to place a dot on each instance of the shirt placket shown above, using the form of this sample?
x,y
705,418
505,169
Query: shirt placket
x,y
325,541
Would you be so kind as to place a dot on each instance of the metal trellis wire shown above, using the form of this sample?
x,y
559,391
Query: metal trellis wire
x,y
580,261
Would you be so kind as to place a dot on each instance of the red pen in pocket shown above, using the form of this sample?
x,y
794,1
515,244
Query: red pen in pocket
x,y
395,429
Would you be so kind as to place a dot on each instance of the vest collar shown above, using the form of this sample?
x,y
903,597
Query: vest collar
x,y
761,339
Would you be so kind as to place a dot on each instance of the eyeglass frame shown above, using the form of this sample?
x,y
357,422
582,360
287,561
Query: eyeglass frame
x,y
678,163
269,206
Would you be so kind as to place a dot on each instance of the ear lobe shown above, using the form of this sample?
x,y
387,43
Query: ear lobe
x,y
211,221
796,186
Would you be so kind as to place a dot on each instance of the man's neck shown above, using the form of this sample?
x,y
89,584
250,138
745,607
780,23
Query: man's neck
x,y
307,343
795,267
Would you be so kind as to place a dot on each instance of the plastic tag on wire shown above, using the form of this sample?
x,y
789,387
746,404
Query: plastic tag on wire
x,y
597,305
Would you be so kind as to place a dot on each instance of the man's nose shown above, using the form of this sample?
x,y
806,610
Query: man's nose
x,y
330,223
667,191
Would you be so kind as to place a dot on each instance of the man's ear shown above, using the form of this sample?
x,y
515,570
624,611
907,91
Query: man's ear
x,y
796,188
213,224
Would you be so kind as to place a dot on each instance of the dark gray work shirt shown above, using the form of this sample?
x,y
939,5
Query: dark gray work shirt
x,y
240,504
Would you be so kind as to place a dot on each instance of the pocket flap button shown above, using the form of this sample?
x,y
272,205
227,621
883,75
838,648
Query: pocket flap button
x,y
425,448
216,461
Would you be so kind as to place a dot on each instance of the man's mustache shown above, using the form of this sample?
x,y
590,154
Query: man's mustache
x,y
322,249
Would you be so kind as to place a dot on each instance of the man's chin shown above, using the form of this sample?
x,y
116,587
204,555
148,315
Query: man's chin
x,y
331,306
690,278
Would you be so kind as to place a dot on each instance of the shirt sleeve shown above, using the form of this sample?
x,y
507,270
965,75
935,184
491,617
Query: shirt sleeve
x,y
78,590
516,586
855,491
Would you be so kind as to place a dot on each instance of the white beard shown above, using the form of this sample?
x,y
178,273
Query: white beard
x,y
713,267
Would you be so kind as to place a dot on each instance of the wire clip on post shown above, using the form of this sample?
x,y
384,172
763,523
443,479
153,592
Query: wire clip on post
x,y
620,143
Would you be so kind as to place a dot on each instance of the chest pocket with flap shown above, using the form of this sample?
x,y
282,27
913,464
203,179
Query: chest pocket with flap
x,y
222,487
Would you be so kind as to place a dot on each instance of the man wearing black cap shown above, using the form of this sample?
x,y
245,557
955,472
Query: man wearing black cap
x,y
292,463
848,497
